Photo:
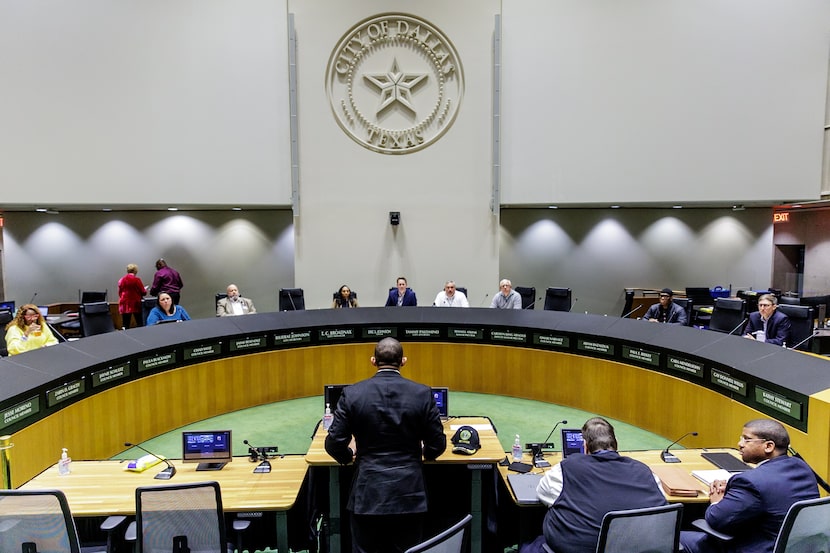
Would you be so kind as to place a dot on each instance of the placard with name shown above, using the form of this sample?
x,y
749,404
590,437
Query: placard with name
x,y
461,333
551,340
249,342
65,392
292,337
329,334
508,336
724,380
378,332
779,402
684,366
203,350
156,361
595,347
20,411
641,355
111,374
422,332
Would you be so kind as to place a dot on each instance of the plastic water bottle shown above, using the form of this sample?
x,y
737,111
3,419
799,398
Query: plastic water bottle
x,y
63,463
327,418
517,449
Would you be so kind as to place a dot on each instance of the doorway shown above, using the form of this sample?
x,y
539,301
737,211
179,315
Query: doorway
x,y
788,268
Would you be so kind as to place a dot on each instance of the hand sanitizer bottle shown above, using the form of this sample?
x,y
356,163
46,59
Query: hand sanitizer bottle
x,y
63,463
327,417
517,449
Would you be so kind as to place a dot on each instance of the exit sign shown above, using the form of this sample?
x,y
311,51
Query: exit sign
x,y
781,217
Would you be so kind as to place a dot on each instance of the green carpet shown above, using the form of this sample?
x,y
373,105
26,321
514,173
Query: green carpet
x,y
289,424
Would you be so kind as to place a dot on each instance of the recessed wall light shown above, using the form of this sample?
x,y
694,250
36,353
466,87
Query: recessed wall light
x,y
236,209
172,209
677,207
615,207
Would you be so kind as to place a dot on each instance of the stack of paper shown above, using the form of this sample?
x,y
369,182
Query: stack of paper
x,y
709,476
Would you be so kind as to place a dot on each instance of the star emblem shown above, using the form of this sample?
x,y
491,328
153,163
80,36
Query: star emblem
x,y
395,86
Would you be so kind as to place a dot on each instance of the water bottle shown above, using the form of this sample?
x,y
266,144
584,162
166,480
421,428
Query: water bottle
x,y
327,418
517,449
63,463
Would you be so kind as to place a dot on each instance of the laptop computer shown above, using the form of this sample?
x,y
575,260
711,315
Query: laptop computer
x,y
524,488
571,441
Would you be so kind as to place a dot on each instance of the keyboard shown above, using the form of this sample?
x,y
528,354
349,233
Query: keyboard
x,y
726,461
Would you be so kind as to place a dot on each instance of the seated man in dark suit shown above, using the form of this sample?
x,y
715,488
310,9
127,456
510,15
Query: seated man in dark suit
x,y
767,324
401,296
752,504
394,424
582,488
666,311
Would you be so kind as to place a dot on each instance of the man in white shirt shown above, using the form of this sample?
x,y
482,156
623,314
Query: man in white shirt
x,y
450,297
507,298
234,304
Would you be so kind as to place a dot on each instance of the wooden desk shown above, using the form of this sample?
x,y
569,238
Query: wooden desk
x,y
102,488
485,459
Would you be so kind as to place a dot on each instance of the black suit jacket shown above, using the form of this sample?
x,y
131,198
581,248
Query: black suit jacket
x,y
389,417
778,327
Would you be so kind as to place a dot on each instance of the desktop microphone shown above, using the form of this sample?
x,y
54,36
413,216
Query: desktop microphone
x,y
484,300
668,457
631,312
572,305
531,304
258,454
33,298
293,307
167,473
813,335
536,448
740,324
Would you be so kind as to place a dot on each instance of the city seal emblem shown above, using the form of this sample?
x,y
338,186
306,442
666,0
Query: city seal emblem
x,y
395,83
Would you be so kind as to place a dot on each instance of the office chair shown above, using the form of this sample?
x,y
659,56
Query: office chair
x,y
801,325
95,318
528,294
181,517
558,299
5,318
450,540
751,298
91,297
785,300
291,299
463,290
628,304
687,306
147,305
806,528
32,521
728,315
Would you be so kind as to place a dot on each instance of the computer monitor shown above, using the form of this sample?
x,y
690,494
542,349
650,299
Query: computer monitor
x,y
210,448
7,306
442,401
44,310
571,441
331,395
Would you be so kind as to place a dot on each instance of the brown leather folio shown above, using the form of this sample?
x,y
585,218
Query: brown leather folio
x,y
677,481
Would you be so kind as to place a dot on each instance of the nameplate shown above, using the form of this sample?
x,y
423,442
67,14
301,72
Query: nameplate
x,y
203,350
641,355
156,361
252,342
20,411
465,333
724,380
551,340
329,334
508,336
596,347
779,402
380,332
684,366
291,337
65,392
111,374
422,332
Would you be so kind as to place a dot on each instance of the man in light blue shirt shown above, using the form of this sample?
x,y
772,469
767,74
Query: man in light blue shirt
x,y
507,298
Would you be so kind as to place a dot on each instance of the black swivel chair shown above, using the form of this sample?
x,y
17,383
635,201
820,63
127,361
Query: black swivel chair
x,y
528,294
463,290
91,296
729,316
783,300
558,299
95,318
5,318
147,305
688,306
751,299
701,297
628,304
291,299
801,325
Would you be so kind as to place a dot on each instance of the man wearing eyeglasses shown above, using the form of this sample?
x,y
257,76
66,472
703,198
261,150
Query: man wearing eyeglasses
x,y
768,324
752,504
666,311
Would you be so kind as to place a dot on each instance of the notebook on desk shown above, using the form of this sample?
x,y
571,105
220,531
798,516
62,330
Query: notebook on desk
x,y
524,488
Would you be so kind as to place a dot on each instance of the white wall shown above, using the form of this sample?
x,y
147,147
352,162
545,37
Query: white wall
x,y
663,100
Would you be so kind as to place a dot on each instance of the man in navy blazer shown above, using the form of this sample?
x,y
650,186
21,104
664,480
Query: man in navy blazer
x,y
401,296
394,423
752,504
767,324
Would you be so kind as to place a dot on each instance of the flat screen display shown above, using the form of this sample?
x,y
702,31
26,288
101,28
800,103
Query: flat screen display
x,y
331,395
7,306
442,401
212,449
571,441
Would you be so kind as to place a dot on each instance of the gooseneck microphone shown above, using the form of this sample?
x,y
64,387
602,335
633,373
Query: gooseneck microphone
x,y
33,298
572,305
532,304
812,335
165,474
631,312
555,426
740,324
481,303
668,457
258,454
291,299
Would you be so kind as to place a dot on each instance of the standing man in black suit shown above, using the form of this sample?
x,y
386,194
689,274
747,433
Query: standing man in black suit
x,y
394,424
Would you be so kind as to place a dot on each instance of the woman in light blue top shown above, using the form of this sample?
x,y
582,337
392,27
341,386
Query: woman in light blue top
x,y
166,310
